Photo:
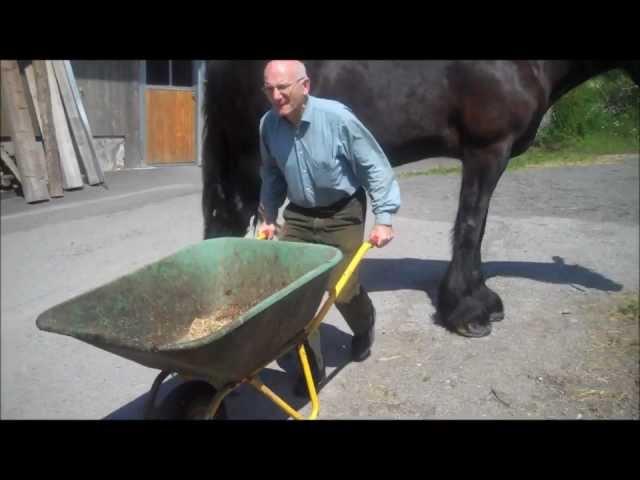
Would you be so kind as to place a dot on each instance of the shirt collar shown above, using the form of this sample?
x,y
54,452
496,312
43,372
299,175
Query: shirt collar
x,y
308,111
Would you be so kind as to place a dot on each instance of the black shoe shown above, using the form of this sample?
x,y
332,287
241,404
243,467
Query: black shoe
x,y
361,344
300,389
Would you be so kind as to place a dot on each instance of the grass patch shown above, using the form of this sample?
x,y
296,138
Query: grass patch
x,y
432,171
595,149
627,310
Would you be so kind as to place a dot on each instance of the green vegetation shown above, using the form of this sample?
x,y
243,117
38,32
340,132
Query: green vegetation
x,y
431,171
600,117
628,308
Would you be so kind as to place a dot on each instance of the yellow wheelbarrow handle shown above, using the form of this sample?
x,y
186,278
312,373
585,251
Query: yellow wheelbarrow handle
x,y
304,362
317,320
337,289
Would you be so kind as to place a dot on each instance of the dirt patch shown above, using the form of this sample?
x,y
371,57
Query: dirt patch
x,y
608,386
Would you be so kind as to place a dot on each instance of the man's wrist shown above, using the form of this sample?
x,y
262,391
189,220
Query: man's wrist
x,y
383,219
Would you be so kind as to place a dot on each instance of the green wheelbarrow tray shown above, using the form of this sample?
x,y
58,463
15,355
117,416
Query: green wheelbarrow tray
x,y
142,316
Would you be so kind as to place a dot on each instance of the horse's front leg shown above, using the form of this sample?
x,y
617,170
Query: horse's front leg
x,y
465,304
490,299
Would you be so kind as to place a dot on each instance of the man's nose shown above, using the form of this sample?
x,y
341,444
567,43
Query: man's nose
x,y
276,94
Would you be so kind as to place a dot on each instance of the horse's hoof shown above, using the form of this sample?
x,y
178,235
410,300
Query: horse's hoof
x,y
474,330
496,316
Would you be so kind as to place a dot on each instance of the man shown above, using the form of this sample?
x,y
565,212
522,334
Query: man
x,y
316,152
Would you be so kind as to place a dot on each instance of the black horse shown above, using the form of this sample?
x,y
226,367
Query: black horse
x,y
481,112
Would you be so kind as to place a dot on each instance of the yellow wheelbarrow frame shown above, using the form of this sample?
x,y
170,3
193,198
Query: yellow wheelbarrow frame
x,y
302,354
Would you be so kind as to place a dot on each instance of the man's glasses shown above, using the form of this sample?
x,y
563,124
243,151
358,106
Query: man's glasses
x,y
282,88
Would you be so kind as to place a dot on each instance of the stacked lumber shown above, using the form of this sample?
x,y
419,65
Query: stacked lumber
x,y
40,99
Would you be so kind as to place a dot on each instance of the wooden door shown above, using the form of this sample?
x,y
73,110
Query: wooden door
x,y
171,130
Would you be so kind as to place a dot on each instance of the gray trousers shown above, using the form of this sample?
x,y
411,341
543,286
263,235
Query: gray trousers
x,y
340,226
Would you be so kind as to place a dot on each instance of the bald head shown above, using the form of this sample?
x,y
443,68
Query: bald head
x,y
286,85
287,68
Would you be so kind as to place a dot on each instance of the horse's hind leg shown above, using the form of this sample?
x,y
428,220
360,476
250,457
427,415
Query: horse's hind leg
x,y
465,304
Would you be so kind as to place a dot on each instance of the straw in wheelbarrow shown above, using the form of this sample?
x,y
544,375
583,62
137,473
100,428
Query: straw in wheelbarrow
x,y
201,327
206,325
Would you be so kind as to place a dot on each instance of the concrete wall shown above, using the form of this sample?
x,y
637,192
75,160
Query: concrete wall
x,y
111,95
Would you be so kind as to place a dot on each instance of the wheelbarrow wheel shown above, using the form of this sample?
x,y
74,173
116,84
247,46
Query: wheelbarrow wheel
x,y
191,401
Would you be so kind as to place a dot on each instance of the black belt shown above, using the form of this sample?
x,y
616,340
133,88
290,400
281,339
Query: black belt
x,y
328,210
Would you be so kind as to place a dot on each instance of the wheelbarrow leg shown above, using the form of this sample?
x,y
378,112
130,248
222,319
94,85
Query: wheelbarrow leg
x,y
271,395
284,406
311,387
148,411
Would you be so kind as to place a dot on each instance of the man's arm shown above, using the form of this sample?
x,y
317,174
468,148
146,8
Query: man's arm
x,y
274,187
371,166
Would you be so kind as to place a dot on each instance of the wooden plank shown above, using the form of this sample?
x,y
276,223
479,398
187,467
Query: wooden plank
x,y
4,122
52,155
71,176
83,118
29,155
79,135
34,103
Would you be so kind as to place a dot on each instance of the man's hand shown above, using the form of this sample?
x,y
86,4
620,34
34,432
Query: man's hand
x,y
381,235
268,230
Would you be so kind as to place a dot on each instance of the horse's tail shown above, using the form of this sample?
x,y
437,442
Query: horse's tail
x,y
230,151
213,153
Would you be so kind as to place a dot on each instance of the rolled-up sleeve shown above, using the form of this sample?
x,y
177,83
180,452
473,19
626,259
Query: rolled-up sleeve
x,y
372,167
274,187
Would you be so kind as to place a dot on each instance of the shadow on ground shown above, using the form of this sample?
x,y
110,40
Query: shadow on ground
x,y
246,403
425,275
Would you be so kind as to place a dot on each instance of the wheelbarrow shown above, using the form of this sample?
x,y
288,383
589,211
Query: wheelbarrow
x,y
147,316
